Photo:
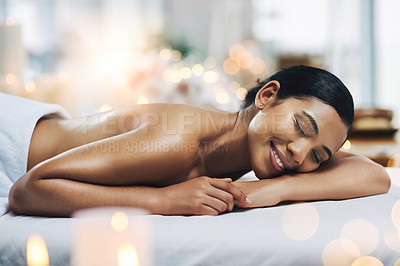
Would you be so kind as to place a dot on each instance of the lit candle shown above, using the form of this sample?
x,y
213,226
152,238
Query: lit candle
x,y
111,236
36,252
11,53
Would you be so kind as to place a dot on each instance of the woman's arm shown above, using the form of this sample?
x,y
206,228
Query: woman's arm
x,y
117,171
33,195
344,176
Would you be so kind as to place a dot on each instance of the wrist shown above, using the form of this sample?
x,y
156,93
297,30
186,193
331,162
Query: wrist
x,y
284,188
160,204
156,202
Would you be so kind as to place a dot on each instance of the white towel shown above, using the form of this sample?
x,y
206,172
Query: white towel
x,y
18,118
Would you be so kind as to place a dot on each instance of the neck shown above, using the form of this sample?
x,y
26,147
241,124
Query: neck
x,y
230,155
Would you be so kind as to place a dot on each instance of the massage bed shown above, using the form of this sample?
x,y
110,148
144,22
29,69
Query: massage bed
x,y
309,233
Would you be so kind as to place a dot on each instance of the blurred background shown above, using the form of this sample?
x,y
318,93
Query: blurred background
x,y
93,55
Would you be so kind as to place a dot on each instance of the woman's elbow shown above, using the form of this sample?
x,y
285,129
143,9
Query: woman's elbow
x,y
21,195
17,198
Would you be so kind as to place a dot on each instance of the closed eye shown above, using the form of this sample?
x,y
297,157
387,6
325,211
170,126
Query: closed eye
x,y
315,157
297,125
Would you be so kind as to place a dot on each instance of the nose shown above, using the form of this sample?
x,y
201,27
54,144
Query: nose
x,y
298,149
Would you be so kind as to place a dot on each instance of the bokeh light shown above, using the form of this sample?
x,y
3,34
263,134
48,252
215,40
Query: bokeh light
x,y
165,54
233,85
11,78
185,72
30,87
363,233
211,77
241,93
231,67
346,145
367,261
396,214
247,61
10,21
197,70
258,66
237,52
210,62
340,252
119,221
223,97
176,56
392,240
394,175
173,76
300,221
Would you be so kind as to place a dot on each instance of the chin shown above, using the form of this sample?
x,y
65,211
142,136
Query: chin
x,y
261,173
265,173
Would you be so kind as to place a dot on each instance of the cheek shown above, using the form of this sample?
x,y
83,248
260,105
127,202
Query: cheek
x,y
270,124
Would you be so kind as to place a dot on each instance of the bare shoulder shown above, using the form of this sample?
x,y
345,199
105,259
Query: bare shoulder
x,y
341,154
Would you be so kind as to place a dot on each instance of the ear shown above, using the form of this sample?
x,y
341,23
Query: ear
x,y
267,94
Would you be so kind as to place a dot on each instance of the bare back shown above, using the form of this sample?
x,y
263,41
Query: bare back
x,y
157,144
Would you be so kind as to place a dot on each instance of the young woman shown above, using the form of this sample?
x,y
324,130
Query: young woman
x,y
181,160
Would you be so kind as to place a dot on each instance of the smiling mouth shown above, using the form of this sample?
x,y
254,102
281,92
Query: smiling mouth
x,y
276,161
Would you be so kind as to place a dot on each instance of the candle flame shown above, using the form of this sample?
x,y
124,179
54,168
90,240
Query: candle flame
x,y
36,251
127,255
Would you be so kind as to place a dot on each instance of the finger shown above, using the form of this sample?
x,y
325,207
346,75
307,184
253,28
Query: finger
x,y
228,187
226,179
241,205
217,204
222,195
207,210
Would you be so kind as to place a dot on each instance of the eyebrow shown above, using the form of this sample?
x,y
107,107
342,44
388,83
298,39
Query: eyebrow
x,y
328,151
315,127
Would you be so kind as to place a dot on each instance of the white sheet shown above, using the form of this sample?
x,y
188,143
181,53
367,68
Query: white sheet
x,y
18,118
244,237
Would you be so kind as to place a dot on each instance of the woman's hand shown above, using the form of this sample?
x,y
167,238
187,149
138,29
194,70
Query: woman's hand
x,y
262,193
201,196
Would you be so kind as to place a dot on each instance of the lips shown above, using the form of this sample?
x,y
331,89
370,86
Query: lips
x,y
278,160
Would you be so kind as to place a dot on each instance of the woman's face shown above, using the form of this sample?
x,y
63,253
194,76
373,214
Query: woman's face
x,y
295,135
